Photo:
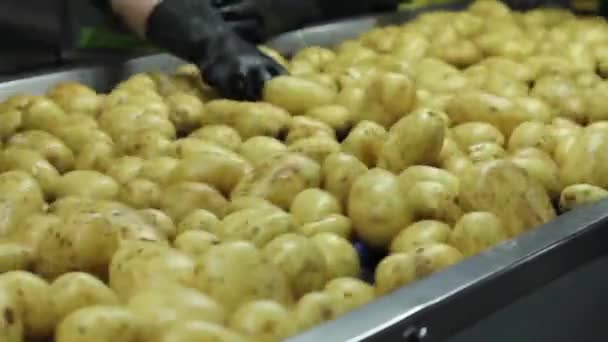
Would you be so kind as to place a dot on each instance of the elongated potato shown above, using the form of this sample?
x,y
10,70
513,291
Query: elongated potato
x,y
502,188
258,226
365,142
377,207
297,95
476,232
340,170
415,139
580,194
419,234
85,183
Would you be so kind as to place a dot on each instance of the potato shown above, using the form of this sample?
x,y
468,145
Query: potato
x,y
128,118
10,122
377,207
339,118
220,168
279,179
498,111
76,97
583,162
194,331
160,221
15,257
595,102
315,55
419,234
145,143
33,162
415,139
532,134
86,183
449,149
352,292
396,94
435,257
394,272
504,189
579,195
314,204
518,71
224,276
429,200
53,149
97,155
303,127
195,243
300,260
316,148
158,169
540,166
486,151
222,135
42,114
20,196
32,298
476,232
419,173
159,308
248,118
77,135
186,111
77,290
125,169
182,198
140,193
256,149
198,219
503,85
264,321
471,133
99,323
339,172
11,323
317,307
439,77
339,225
561,93
297,95
246,202
138,265
365,141
258,226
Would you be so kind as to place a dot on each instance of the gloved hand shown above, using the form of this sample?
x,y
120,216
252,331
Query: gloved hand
x,y
524,5
195,31
261,19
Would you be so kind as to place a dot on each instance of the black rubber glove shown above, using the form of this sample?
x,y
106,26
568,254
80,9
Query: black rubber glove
x,y
524,5
195,31
261,19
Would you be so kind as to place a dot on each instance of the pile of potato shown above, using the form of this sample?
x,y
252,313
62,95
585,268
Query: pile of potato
x,y
158,212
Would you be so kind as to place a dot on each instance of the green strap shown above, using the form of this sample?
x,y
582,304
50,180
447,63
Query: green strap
x,y
102,38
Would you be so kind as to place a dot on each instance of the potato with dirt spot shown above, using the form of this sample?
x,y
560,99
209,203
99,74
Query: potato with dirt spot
x,y
32,296
340,170
15,256
11,323
279,179
428,200
77,290
419,234
258,226
222,135
502,188
139,265
159,308
264,321
435,257
377,207
99,324
532,134
300,260
578,195
476,232
195,243
53,149
351,292
222,275
140,193
145,143
415,139
317,307
394,272
248,118
365,141
181,198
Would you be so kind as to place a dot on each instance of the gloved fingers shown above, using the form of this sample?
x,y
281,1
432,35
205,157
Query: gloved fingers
x,y
240,10
223,3
249,30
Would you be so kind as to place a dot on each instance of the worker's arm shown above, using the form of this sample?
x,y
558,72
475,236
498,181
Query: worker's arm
x,y
271,17
195,31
